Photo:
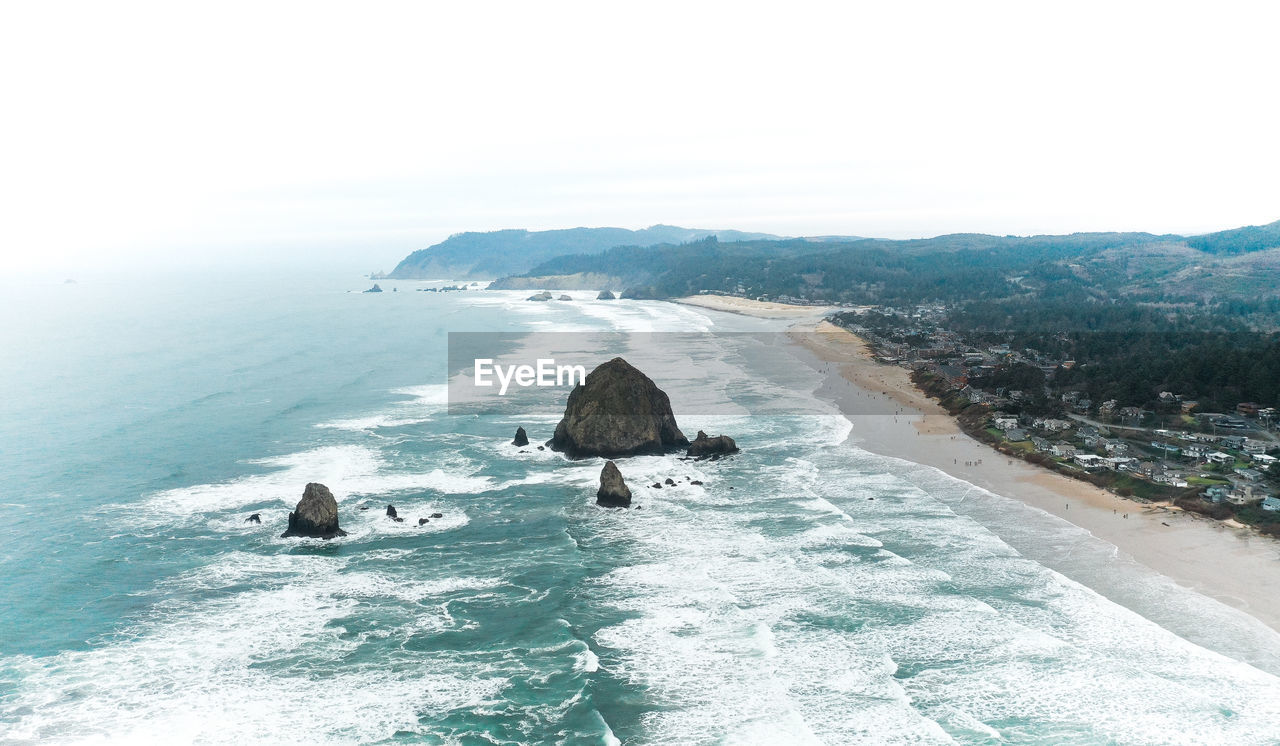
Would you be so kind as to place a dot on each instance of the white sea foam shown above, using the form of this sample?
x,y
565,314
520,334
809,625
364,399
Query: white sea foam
x,y
246,667
348,471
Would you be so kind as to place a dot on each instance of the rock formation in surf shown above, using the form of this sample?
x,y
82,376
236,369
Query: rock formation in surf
x,y
613,492
618,411
522,438
705,447
605,295
543,296
316,515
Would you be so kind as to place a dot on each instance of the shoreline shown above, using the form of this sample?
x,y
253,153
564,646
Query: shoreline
x,y
892,417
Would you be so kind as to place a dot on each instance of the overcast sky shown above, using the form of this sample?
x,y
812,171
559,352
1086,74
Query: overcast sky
x,y
352,134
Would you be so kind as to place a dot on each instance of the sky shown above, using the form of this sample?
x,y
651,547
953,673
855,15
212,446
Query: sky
x,y
278,134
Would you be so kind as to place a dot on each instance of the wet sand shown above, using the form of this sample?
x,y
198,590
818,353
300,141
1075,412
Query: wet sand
x,y
890,416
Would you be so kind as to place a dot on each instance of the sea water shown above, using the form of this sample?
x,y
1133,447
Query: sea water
x,y
144,419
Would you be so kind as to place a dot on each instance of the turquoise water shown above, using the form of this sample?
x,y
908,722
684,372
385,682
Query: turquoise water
x,y
143,419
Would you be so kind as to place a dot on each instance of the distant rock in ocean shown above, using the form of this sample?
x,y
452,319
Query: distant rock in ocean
x,y
705,447
613,492
543,296
617,411
316,515
605,295
564,297
374,289
255,518
522,438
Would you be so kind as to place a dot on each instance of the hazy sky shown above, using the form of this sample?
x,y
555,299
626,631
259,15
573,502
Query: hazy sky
x,y
355,133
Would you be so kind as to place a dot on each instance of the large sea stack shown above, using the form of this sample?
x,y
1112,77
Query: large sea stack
x,y
617,411
316,515
613,492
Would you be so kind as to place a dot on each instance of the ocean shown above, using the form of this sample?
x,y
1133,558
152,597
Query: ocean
x,y
808,592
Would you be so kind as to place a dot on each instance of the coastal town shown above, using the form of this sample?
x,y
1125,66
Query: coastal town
x,y
1169,450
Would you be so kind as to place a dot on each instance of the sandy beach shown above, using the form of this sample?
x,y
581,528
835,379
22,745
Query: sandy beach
x,y
748,307
892,417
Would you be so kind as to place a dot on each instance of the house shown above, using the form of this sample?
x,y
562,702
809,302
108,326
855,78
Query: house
x,y
1052,424
1016,434
1169,451
1089,461
1217,493
1253,445
1234,442
1218,457
1252,475
1248,408
1196,451
1131,413
1271,503
1263,460
1189,406
1108,407
1116,447
955,375
1173,480
1006,423
1062,450
1040,444
1121,463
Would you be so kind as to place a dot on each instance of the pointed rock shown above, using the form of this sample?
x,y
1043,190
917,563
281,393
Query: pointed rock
x,y
522,438
316,514
605,295
613,492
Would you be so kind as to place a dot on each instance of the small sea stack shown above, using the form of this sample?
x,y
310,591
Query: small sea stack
x,y
606,295
617,411
521,439
704,447
316,515
613,492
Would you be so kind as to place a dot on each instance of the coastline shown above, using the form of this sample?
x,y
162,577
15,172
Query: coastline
x,y
891,417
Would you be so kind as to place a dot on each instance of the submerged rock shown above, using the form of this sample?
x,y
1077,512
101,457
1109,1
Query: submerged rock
x,y
613,492
605,295
522,438
617,411
316,514
423,521
255,518
437,515
705,447
669,482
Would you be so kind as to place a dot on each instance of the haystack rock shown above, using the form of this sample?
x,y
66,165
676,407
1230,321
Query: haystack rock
x,y
605,295
705,447
613,492
522,438
617,411
316,514
543,296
